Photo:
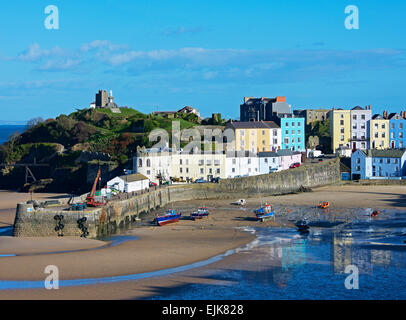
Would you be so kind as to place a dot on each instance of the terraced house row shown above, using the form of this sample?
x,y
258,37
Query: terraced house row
x,y
358,129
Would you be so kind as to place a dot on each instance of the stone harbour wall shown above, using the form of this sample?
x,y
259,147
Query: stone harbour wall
x,y
117,214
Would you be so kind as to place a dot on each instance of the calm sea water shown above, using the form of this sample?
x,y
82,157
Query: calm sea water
x,y
283,264
7,130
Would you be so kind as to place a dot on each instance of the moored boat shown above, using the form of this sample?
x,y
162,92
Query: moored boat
x,y
170,216
302,225
265,212
200,213
324,205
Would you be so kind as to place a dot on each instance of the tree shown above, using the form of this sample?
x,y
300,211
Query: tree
x,y
34,122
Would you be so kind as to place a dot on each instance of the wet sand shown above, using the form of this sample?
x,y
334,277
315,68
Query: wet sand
x,y
159,248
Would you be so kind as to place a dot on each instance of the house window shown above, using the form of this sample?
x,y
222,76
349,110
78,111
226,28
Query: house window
x,y
358,160
148,163
180,170
234,161
218,170
233,170
383,134
376,126
388,160
287,132
249,161
358,168
299,124
210,170
263,142
140,163
293,124
242,132
354,117
341,122
263,132
287,124
293,131
180,162
187,170
383,126
392,125
363,117
342,137
401,125
342,130
266,160
201,170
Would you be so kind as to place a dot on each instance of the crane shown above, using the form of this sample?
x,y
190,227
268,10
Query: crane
x,y
90,199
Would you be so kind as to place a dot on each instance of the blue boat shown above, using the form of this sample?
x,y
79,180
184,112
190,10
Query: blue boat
x,y
265,212
200,213
170,216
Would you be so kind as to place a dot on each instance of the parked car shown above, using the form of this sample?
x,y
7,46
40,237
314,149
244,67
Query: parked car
x,y
152,184
200,181
320,160
273,170
295,165
215,180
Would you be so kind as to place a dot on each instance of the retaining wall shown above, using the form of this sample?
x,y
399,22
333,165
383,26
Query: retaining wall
x,y
121,214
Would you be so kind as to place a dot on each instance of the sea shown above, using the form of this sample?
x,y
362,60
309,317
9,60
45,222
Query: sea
x,y
7,130
361,258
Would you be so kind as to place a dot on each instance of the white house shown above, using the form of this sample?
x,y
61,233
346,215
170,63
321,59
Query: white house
x,y
129,183
268,162
153,163
241,164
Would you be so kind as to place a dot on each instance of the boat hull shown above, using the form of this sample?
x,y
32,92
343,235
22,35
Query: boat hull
x,y
161,221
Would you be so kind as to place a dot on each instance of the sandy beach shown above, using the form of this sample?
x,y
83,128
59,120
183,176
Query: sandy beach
x,y
158,248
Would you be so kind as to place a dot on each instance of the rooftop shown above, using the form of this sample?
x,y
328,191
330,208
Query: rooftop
x,y
133,177
388,153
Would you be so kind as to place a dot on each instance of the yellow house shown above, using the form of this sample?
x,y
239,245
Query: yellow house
x,y
256,136
379,132
340,128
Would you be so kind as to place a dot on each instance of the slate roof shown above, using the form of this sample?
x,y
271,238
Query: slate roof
x,y
253,125
388,153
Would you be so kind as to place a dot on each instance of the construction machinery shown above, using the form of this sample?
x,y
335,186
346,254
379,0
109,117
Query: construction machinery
x,y
90,199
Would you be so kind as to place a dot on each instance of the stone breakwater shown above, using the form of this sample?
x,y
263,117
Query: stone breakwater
x,y
30,222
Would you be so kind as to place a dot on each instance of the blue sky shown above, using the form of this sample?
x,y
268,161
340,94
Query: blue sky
x,y
159,55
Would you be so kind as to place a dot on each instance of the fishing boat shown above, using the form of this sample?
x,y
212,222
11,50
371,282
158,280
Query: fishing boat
x,y
375,213
170,216
302,225
200,213
324,205
265,212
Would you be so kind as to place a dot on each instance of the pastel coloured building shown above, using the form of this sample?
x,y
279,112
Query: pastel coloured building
x,y
378,164
379,132
287,158
340,128
268,162
256,136
397,131
360,131
293,132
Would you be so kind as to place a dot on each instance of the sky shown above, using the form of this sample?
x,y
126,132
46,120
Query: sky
x,y
163,55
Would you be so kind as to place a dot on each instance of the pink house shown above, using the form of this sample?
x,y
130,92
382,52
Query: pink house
x,y
287,158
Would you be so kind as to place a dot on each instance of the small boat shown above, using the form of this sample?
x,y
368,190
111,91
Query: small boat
x,y
265,212
302,225
200,213
170,216
240,202
375,213
324,205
